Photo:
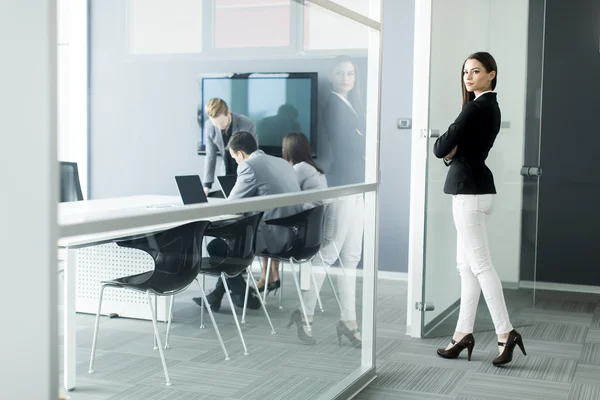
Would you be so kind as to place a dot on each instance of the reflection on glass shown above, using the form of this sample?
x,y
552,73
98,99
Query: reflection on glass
x,y
319,24
342,238
363,7
286,120
343,119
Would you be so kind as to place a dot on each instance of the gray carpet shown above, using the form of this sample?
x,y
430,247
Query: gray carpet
x,y
562,337
279,366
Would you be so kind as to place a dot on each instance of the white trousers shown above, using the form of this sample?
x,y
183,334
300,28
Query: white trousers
x,y
474,262
342,238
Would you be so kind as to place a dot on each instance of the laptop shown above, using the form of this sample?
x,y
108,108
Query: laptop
x,y
190,189
227,182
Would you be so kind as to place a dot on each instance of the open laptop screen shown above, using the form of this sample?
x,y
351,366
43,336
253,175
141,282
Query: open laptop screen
x,y
190,189
227,183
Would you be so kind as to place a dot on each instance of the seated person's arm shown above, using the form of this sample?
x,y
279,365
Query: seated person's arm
x,y
245,184
210,160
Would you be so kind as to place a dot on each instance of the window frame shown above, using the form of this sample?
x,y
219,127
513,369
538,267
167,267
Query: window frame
x,y
294,50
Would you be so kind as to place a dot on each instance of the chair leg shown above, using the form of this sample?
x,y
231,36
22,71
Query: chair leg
x,y
314,282
235,318
302,305
263,306
270,260
329,278
203,287
156,318
212,318
249,272
281,286
169,323
96,325
157,337
337,251
333,289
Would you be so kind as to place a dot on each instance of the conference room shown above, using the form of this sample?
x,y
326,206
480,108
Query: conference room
x,y
156,160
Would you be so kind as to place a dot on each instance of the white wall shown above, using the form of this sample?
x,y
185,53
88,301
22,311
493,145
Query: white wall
x,y
459,28
396,102
28,171
72,86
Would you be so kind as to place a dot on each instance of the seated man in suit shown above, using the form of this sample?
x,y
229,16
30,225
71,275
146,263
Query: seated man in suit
x,y
258,174
222,124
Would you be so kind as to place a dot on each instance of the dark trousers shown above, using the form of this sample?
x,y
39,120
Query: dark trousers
x,y
218,248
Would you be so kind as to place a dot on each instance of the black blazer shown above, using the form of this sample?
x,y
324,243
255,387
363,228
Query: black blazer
x,y
474,131
346,133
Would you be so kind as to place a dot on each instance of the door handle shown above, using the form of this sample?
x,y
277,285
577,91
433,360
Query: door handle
x,y
531,171
432,133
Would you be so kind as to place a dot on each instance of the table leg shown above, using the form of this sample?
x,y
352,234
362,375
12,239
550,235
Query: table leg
x,y
69,317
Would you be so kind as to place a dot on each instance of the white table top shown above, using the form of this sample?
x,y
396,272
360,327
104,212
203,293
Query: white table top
x,y
94,210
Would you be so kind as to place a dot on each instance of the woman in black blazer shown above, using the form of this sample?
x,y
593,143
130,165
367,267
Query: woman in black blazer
x,y
464,148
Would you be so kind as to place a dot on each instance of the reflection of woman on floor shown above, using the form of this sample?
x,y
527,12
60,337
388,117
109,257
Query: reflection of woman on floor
x,y
344,218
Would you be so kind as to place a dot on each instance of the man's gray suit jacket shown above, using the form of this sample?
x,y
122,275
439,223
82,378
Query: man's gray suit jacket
x,y
213,139
262,175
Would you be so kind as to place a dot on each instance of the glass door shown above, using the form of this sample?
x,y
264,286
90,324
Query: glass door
x,y
459,28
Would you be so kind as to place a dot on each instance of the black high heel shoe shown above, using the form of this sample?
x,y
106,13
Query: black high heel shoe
x,y
468,342
296,318
342,329
273,286
514,339
260,289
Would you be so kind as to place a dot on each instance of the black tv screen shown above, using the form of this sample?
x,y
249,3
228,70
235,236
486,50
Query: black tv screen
x,y
277,103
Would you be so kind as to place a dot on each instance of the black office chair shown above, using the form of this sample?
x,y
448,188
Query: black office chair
x,y
307,227
177,255
70,188
240,237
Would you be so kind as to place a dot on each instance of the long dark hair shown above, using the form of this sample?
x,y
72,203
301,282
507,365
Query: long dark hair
x,y
354,96
296,149
488,63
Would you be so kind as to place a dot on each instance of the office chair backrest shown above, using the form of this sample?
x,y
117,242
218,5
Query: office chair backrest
x,y
177,255
307,227
240,236
70,188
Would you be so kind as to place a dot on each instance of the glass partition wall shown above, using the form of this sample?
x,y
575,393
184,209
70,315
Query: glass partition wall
x,y
281,67
512,227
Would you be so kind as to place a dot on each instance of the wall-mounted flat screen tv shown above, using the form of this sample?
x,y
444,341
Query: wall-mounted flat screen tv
x,y
277,103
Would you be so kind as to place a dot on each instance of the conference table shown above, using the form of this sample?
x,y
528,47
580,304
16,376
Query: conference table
x,y
93,210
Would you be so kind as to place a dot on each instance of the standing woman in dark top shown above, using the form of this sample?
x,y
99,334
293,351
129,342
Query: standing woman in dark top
x,y
464,148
